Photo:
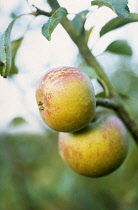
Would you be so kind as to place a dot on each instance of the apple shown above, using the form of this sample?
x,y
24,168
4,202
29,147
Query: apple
x,y
66,100
98,149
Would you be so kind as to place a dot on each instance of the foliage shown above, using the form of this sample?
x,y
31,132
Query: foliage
x,y
17,121
54,20
119,7
5,54
6,57
120,47
15,45
31,166
32,175
118,22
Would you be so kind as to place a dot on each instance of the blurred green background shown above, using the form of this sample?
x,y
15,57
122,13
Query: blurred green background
x,y
32,174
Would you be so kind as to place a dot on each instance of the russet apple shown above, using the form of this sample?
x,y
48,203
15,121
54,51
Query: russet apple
x,y
66,100
98,149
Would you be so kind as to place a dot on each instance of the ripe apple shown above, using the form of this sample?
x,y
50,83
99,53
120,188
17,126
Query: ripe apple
x,y
98,149
66,100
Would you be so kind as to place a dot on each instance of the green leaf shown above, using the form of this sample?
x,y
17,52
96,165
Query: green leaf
x,y
101,95
123,80
5,51
120,47
17,121
117,23
127,97
53,21
93,75
88,33
118,6
79,21
14,48
89,71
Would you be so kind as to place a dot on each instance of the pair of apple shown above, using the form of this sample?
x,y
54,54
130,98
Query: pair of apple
x,y
92,143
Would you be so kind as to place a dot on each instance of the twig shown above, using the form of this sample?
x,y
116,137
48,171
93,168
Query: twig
x,y
122,113
90,59
40,12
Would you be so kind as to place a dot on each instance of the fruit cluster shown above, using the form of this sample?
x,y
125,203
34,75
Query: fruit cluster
x,y
93,143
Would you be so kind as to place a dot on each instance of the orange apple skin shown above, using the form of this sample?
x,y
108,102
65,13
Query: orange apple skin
x,y
66,99
98,149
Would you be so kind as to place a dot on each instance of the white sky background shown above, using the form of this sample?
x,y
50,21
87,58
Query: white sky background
x,y
37,55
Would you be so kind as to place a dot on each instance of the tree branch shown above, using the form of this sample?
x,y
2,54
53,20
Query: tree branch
x,y
40,12
115,103
81,43
122,113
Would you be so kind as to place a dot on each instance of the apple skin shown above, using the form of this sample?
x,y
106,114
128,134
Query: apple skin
x,y
66,100
98,149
